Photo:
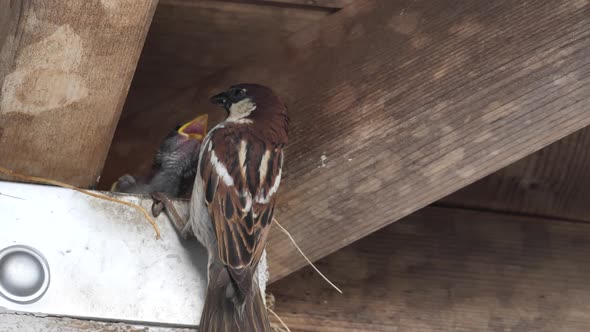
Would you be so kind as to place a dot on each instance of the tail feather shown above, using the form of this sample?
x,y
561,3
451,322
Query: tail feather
x,y
225,310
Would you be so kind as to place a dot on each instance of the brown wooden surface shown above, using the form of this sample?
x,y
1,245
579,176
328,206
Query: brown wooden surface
x,y
189,40
329,4
65,68
449,270
397,104
10,322
553,182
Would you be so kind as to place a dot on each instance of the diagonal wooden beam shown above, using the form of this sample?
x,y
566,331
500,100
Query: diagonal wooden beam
x,y
553,182
319,4
65,68
395,104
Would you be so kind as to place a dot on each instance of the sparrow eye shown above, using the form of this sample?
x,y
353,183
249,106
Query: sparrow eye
x,y
239,93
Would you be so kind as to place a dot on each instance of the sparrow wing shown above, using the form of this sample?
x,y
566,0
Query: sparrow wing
x,y
241,175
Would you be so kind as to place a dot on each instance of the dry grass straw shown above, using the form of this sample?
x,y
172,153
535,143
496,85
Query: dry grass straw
x,y
304,256
37,179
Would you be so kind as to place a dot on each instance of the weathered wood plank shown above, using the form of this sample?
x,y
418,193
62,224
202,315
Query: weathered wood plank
x,y
188,41
65,68
449,270
10,322
397,104
329,4
553,182
333,4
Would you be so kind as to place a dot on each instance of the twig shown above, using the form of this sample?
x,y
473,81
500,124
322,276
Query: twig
x,y
279,319
307,259
37,179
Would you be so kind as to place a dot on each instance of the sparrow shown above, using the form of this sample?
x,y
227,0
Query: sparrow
x,y
233,203
174,165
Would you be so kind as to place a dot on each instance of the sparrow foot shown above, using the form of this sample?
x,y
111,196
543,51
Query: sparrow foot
x,y
162,202
157,207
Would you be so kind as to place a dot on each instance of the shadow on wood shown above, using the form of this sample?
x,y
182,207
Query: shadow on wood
x,y
448,270
397,104
553,182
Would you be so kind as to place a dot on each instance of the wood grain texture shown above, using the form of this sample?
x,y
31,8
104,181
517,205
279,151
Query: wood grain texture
x,y
10,322
189,40
327,4
65,68
448,270
397,104
553,182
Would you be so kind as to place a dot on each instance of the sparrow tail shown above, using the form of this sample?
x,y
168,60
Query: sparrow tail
x,y
225,311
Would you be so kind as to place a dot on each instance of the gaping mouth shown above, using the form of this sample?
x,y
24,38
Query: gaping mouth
x,y
195,129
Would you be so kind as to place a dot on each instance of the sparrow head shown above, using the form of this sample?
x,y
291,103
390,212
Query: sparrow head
x,y
243,102
195,129
180,150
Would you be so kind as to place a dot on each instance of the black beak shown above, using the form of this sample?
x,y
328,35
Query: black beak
x,y
221,99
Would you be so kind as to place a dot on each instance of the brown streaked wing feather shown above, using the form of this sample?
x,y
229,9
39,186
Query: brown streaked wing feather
x,y
241,233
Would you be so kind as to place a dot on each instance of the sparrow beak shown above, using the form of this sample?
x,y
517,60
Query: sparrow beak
x,y
221,99
195,129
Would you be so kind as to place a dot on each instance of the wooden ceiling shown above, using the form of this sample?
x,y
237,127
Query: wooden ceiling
x,y
394,104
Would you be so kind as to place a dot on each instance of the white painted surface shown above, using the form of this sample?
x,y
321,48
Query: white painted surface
x,y
105,262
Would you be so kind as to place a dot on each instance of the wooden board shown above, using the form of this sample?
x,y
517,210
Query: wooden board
x,y
188,41
397,104
553,182
65,68
449,270
328,4
10,322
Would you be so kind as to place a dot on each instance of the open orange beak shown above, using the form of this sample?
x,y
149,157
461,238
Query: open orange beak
x,y
195,129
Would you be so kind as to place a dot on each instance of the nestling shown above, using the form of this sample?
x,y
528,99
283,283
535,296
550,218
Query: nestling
x,y
175,163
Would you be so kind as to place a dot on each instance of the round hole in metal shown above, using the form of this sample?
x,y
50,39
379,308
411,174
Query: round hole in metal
x,y
24,274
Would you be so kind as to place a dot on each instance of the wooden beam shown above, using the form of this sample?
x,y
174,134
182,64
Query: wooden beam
x,y
553,182
448,270
211,35
65,68
325,4
20,322
332,4
397,104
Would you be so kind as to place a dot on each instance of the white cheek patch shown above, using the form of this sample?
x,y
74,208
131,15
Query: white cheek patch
x,y
240,110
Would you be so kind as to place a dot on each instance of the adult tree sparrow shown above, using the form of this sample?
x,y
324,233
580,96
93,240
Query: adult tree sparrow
x,y
233,204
